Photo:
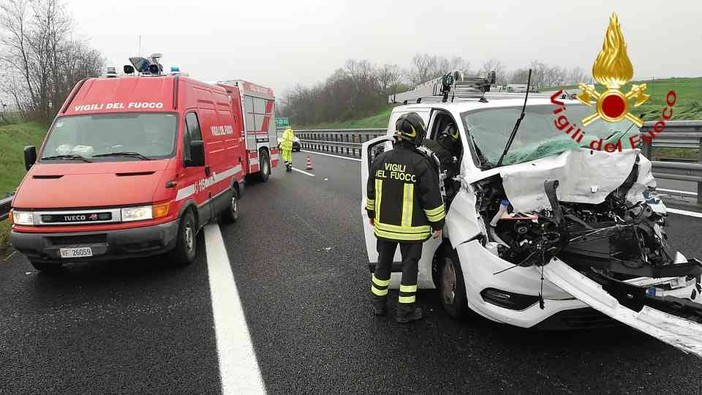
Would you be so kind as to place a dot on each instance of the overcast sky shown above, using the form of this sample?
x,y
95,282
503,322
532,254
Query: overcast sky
x,y
284,43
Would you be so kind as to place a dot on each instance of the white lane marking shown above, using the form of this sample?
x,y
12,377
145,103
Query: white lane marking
x,y
303,172
238,367
676,191
333,156
684,212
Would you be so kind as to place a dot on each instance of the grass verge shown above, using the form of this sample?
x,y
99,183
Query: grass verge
x,y
13,139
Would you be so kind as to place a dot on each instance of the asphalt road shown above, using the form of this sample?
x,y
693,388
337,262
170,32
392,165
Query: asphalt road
x,y
299,261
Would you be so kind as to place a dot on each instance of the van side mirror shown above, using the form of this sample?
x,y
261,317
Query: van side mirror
x,y
197,154
30,156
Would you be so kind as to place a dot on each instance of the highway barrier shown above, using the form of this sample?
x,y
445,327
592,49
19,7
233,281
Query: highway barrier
x,y
677,134
337,141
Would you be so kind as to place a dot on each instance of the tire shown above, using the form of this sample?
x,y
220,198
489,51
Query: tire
x,y
264,163
452,288
231,214
46,267
186,245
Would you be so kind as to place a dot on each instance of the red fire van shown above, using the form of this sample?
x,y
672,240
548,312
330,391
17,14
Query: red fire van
x,y
136,166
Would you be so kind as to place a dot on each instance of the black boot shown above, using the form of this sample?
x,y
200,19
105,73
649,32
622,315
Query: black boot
x,y
407,312
380,306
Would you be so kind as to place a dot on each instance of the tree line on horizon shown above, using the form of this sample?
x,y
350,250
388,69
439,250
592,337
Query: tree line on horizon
x,y
360,88
40,58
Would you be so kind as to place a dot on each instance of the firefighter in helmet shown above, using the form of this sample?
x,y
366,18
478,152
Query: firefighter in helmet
x,y
286,145
405,208
447,148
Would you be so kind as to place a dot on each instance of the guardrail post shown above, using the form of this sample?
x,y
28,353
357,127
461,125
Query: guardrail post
x,y
699,160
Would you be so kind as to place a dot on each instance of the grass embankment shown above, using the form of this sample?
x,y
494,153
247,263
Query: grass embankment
x,y
13,139
379,120
688,105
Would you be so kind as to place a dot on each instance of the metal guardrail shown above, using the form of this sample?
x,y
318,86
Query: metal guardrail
x,y
5,205
337,141
677,134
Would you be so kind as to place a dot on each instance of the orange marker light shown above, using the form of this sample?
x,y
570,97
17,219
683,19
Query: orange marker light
x,y
11,218
160,210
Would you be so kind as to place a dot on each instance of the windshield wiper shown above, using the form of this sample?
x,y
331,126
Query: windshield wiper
x,y
125,153
66,157
516,125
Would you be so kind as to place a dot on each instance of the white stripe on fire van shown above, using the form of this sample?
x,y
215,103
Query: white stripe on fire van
x,y
188,191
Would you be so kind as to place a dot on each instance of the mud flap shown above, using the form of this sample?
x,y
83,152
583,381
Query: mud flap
x,y
678,332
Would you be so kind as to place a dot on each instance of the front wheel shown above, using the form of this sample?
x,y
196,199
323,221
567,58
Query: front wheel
x,y
231,213
452,285
186,245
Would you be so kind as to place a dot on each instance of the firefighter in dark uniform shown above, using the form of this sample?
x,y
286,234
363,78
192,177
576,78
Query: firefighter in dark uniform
x,y
404,206
447,148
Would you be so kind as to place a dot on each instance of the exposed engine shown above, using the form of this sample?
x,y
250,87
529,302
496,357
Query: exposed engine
x,y
613,237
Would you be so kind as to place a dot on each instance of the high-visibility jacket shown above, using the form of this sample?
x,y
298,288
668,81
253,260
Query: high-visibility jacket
x,y
287,139
403,195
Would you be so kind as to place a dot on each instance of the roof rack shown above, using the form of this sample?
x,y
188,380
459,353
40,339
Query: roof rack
x,y
451,86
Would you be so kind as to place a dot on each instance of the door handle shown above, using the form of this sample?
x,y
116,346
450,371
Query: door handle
x,y
207,171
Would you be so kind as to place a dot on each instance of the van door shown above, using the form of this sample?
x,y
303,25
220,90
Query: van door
x,y
425,281
195,176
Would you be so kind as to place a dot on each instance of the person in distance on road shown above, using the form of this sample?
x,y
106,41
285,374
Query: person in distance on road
x,y
286,145
404,207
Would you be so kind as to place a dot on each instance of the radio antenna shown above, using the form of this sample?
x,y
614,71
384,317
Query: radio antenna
x,y
516,125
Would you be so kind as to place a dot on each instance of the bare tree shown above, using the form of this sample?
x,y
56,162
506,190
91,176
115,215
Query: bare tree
x,y
576,76
36,47
389,78
496,66
422,69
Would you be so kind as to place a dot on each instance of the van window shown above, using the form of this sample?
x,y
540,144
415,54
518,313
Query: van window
x,y
100,135
192,133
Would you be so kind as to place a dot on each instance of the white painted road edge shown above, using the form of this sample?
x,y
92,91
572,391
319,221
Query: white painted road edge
x,y
238,367
333,156
686,193
303,172
684,212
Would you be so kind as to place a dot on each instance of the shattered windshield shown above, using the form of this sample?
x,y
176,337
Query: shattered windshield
x,y
125,136
539,135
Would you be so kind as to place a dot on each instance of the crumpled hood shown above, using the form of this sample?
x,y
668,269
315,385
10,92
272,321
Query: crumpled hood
x,y
54,186
584,176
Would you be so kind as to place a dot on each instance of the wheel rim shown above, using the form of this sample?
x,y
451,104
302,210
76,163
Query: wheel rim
x,y
234,208
448,282
189,237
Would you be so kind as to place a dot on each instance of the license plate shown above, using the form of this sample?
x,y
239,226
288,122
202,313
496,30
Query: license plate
x,y
79,252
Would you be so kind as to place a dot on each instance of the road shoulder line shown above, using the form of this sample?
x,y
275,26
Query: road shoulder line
x,y
238,367
303,172
684,212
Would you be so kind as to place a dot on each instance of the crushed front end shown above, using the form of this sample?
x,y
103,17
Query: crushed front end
x,y
613,235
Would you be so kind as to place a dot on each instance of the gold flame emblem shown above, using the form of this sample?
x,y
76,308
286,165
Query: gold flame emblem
x,y
612,68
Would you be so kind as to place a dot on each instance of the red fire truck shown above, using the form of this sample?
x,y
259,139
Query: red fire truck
x,y
136,165
257,107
